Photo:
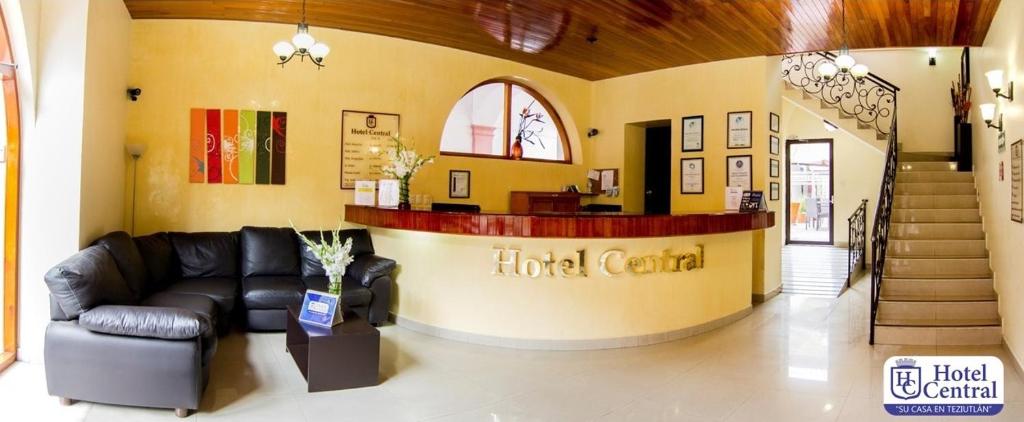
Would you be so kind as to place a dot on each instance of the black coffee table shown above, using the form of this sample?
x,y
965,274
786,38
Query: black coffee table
x,y
337,358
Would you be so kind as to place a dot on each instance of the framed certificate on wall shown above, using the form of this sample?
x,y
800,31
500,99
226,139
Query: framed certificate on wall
x,y
691,176
773,144
739,129
458,183
773,122
739,172
693,133
773,167
773,192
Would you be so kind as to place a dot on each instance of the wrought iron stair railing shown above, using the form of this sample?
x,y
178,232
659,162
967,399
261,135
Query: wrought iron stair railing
x,y
855,253
871,99
880,231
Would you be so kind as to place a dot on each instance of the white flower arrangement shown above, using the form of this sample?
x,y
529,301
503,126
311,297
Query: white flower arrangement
x,y
334,256
404,161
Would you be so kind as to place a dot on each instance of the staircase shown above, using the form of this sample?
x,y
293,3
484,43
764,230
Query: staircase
x,y
937,284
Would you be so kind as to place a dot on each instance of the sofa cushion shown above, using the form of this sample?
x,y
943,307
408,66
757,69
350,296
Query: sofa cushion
x,y
268,251
352,291
223,291
311,267
161,262
85,280
145,321
206,254
367,268
197,303
128,259
272,292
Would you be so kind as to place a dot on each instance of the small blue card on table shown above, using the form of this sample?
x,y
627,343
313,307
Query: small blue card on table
x,y
320,309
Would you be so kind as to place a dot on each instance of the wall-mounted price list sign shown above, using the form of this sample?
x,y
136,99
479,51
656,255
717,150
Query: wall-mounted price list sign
x,y
364,137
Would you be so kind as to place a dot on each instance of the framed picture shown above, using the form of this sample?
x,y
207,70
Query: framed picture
x,y
739,172
773,167
691,176
773,122
773,144
773,192
739,129
1017,181
458,183
693,133
1002,141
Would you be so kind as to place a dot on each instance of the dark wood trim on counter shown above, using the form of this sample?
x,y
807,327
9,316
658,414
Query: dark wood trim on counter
x,y
597,225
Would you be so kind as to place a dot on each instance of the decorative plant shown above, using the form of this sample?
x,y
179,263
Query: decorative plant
x,y
960,93
527,130
334,256
404,162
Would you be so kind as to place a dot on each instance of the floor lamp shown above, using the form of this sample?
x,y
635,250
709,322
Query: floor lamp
x,y
135,151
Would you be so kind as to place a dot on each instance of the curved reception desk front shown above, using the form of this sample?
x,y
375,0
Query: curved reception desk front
x,y
566,281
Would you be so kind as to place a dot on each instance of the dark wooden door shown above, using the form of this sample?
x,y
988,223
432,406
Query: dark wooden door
x,y
658,170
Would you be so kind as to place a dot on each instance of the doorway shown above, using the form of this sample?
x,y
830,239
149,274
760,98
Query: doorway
x,y
658,170
809,191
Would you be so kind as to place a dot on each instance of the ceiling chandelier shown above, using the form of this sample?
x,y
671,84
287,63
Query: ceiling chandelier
x,y
302,45
844,63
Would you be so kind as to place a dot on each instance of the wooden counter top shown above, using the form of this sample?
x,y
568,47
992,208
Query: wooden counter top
x,y
573,225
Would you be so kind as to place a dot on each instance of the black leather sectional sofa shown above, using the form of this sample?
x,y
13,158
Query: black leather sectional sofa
x,y
135,321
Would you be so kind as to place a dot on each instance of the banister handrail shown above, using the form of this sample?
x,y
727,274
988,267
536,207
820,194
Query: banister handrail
x,y
880,231
857,249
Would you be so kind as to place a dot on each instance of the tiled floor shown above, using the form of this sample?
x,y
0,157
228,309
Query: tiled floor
x,y
796,358
814,270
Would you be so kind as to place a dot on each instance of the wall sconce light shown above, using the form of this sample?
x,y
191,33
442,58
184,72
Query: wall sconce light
x,y
988,113
932,53
995,81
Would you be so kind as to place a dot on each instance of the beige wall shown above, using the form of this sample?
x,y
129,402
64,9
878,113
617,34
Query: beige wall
x,y
103,138
924,110
182,64
72,138
1005,238
857,166
711,90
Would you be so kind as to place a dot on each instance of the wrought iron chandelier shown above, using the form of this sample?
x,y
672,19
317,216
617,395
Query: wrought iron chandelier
x,y
302,45
844,63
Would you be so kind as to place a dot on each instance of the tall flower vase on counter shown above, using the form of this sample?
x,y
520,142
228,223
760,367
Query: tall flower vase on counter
x,y
403,194
403,163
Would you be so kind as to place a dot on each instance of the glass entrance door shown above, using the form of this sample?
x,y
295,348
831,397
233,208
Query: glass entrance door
x,y
809,191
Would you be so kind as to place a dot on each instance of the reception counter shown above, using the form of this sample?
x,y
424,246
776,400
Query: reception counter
x,y
566,281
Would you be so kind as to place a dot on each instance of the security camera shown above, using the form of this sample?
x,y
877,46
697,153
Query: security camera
x,y
134,93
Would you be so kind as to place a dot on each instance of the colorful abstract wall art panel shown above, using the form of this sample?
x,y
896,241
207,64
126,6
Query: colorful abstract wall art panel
x,y
229,147
247,147
263,141
279,126
197,146
237,146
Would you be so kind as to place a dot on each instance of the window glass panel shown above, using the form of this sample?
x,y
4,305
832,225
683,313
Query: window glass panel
x,y
476,124
541,139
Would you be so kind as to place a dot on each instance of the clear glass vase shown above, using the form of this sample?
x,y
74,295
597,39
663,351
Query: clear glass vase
x,y
334,284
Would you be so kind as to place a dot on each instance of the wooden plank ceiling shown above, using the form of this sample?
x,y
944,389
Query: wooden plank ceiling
x,y
632,35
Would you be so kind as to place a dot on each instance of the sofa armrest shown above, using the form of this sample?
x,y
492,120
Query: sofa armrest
x,y
144,321
369,267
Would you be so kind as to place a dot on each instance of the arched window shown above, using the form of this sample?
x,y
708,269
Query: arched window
x,y
488,119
